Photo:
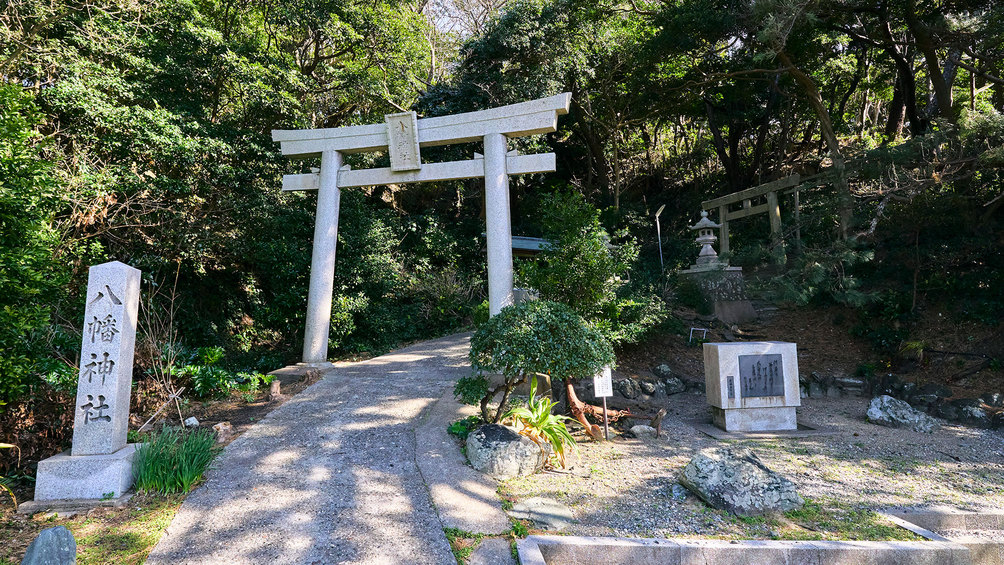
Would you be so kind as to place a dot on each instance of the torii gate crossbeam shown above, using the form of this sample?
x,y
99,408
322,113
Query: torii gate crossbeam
x,y
402,135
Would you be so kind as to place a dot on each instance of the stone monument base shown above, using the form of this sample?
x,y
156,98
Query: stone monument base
x,y
66,476
770,419
735,311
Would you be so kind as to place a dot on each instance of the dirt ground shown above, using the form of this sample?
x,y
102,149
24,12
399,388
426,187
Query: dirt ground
x,y
625,487
958,353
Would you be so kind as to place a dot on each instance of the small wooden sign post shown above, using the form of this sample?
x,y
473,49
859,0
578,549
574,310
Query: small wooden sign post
x,y
603,387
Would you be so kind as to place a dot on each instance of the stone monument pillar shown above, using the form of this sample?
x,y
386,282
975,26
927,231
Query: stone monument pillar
x,y
99,465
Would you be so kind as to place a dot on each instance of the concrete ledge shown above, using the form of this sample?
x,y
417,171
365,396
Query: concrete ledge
x,y
950,519
805,429
983,551
70,506
552,550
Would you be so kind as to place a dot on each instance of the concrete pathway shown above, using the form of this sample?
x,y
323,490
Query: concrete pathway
x,y
335,475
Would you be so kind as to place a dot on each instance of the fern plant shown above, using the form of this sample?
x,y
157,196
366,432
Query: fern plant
x,y
536,422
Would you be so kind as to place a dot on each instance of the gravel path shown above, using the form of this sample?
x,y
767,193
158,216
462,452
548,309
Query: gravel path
x,y
625,487
329,477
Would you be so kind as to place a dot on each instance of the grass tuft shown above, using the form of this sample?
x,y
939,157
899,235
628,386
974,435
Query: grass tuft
x,y
173,461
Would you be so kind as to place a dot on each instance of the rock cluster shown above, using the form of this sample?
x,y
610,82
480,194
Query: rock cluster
x,y
987,411
661,383
735,480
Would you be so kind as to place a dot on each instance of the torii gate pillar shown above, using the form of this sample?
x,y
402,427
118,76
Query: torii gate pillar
x,y
498,232
402,136
322,261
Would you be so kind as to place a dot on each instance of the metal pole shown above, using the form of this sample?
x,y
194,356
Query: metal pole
x,y
658,235
606,429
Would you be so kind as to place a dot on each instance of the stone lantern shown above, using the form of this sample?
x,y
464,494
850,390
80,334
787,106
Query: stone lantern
x,y
721,284
707,258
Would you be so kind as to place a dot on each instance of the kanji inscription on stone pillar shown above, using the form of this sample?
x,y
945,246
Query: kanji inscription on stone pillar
x,y
103,386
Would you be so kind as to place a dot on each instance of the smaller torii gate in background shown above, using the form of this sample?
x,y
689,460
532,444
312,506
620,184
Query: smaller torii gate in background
x,y
746,197
403,135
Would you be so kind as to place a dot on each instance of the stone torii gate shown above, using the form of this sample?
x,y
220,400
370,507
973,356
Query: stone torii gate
x,y
403,135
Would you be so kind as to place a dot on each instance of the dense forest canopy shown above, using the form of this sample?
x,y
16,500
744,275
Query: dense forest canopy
x,y
140,131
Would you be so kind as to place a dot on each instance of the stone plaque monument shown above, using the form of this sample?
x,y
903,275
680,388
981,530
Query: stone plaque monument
x,y
99,465
752,386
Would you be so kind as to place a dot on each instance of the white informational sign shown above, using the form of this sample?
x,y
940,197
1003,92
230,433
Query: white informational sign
x,y
603,384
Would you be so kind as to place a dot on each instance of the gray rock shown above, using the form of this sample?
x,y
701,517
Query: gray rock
x,y
734,479
628,388
674,385
849,383
696,386
647,387
679,492
816,390
547,513
502,453
923,401
970,411
641,431
191,422
53,546
887,411
662,371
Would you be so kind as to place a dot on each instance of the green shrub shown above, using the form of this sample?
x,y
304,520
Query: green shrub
x,y
29,276
464,426
540,337
208,379
173,461
581,268
825,275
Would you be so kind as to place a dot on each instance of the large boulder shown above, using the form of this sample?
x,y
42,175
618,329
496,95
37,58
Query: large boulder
x,y
887,411
53,546
502,453
734,479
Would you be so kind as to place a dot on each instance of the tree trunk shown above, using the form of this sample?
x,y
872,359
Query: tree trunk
x,y
826,129
728,160
925,42
904,70
579,409
897,111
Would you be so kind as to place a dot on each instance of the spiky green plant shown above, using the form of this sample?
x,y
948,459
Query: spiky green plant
x,y
536,422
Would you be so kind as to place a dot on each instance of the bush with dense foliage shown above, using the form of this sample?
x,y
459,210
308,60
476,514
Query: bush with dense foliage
x,y
29,273
535,337
581,266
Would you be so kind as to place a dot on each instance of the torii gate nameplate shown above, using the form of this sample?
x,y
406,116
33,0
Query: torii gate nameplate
x,y
403,135
402,141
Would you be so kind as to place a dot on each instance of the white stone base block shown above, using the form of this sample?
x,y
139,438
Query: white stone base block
x,y
66,476
755,419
